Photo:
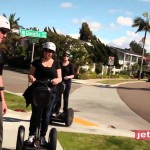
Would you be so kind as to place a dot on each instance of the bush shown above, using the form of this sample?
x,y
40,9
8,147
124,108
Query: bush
x,y
98,68
125,72
82,70
19,62
82,76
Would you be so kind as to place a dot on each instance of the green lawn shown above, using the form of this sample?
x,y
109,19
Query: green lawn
x,y
81,141
15,102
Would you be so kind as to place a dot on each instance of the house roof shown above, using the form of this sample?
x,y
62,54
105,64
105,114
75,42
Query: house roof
x,y
125,51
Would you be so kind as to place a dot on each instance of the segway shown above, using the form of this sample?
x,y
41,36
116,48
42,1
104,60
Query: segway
x,y
41,98
63,117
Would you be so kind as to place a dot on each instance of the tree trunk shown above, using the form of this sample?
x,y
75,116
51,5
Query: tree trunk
x,y
141,66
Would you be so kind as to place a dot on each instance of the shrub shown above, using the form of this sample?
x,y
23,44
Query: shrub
x,y
98,68
19,62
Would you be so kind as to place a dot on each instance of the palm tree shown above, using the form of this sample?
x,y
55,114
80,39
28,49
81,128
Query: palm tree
x,y
143,25
14,22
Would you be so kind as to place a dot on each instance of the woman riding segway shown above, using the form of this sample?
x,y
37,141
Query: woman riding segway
x,y
45,68
67,76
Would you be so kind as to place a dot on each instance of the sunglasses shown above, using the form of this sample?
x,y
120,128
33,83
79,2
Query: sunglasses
x,y
4,31
66,56
49,51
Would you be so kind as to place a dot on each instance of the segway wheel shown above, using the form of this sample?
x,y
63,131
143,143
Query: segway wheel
x,y
69,117
20,138
52,140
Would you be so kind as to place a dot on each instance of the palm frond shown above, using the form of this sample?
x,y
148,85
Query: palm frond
x,y
141,24
137,21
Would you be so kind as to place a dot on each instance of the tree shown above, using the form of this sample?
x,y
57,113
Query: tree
x,y
14,22
98,52
85,32
136,48
143,25
33,28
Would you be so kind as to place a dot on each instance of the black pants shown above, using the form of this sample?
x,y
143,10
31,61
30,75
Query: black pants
x,y
65,97
37,114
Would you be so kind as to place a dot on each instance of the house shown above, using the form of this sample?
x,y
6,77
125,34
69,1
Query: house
x,y
126,57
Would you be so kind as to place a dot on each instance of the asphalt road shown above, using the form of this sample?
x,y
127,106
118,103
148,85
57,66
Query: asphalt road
x,y
137,97
18,82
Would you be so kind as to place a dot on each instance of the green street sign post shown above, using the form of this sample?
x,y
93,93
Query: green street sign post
x,y
33,33
33,40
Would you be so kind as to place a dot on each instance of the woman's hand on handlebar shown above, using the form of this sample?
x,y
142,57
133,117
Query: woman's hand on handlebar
x,y
55,81
31,78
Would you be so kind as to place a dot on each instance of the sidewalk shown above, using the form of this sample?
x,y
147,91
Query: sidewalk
x,y
11,121
97,82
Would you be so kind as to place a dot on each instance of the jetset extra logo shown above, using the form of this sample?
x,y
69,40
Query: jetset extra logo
x,y
142,134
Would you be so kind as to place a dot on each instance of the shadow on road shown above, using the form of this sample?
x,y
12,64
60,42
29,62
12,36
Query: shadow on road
x,y
9,119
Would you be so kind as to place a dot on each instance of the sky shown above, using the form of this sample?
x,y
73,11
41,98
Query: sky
x,y
109,20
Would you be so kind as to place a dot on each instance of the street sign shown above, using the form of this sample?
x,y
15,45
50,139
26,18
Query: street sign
x,y
33,40
33,33
111,60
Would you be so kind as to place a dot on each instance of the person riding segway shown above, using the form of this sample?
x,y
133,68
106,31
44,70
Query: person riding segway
x,y
64,91
45,69
42,95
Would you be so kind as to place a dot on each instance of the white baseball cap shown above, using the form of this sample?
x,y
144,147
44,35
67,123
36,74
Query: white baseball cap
x,y
4,23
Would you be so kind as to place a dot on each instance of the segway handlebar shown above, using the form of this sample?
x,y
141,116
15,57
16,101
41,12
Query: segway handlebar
x,y
43,81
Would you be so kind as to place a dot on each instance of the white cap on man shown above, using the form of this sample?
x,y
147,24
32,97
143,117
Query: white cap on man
x,y
4,23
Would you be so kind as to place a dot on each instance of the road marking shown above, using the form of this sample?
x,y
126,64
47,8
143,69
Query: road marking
x,y
84,122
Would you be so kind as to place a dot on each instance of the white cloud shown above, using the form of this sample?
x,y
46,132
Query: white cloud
x,y
95,26
124,21
131,34
147,44
79,21
120,41
105,41
66,5
124,41
75,36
